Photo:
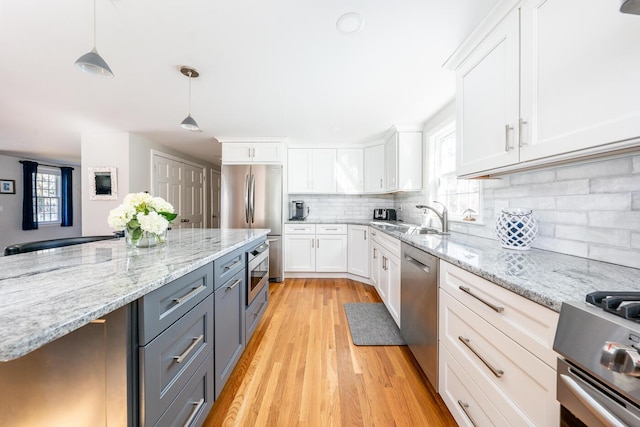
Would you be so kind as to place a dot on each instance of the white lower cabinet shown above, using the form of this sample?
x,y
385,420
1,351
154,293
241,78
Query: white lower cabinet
x,y
358,250
385,271
488,335
316,248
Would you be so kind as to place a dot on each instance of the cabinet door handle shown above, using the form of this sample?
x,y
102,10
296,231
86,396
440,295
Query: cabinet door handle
x,y
365,234
196,341
521,124
253,152
313,242
331,229
234,284
196,407
249,151
374,253
380,182
494,307
318,244
232,266
507,145
189,295
184,220
497,372
465,409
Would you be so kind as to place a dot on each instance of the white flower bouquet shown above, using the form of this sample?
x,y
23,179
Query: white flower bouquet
x,y
142,215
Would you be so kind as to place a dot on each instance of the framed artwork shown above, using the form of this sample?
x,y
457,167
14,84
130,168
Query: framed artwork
x,y
7,186
103,183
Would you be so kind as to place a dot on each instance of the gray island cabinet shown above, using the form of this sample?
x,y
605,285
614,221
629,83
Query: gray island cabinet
x,y
96,335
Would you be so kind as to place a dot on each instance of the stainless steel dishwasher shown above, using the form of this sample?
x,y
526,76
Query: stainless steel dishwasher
x,y
419,308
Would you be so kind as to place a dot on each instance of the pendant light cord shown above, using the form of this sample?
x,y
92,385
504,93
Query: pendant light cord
x,y
94,24
189,92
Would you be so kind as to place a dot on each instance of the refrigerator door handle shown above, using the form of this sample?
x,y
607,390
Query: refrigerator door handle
x,y
246,200
253,197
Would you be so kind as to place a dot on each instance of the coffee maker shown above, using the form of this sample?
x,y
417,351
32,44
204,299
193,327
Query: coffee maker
x,y
299,210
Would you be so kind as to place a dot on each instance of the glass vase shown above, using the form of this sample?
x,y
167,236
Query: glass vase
x,y
137,238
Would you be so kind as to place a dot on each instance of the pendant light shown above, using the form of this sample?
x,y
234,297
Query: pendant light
x,y
189,123
92,62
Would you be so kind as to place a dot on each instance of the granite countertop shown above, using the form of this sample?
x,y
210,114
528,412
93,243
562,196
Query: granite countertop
x,y
47,294
547,278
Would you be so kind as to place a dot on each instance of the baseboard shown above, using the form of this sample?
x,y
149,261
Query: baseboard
x,y
316,275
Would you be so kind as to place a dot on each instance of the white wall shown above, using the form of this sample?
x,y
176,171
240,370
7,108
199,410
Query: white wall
x,y
11,208
102,150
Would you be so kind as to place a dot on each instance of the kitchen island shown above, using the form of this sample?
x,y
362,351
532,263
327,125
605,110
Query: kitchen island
x,y
98,334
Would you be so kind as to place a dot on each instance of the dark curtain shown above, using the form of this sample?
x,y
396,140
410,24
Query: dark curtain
x,y
67,197
29,220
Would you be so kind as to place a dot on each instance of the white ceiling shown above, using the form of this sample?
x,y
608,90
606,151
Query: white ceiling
x,y
273,68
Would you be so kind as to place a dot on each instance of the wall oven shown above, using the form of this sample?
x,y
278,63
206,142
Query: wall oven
x,y
257,270
599,371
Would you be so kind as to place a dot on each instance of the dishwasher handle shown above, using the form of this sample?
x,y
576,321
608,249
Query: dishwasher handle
x,y
420,265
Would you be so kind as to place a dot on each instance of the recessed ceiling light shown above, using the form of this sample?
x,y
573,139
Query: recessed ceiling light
x,y
350,23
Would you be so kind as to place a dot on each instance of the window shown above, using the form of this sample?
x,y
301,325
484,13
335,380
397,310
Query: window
x,y
457,195
47,186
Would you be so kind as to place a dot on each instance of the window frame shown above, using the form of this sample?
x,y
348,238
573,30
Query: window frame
x,y
49,171
433,137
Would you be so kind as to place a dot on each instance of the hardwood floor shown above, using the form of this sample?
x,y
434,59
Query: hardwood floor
x,y
301,368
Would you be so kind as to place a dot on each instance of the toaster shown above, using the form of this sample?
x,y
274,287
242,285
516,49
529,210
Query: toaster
x,y
385,214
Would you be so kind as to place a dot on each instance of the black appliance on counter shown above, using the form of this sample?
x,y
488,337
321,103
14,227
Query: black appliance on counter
x,y
385,214
599,371
299,210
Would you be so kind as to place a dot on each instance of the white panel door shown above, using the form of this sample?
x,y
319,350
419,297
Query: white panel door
x,y
487,98
350,170
324,170
168,183
331,253
193,206
579,76
374,169
300,252
216,193
299,170
358,250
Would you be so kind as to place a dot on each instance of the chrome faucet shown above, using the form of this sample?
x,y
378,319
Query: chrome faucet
x,y
443,217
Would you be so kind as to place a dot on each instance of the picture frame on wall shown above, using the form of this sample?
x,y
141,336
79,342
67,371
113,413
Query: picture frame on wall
x,y
7,186
103,183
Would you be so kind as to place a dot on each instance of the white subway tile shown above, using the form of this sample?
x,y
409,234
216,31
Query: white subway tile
x,y
635,201
526,178
595,202
562,217
615,184
636,164
535,203
594,169
623,220
635,239
607,236
563,246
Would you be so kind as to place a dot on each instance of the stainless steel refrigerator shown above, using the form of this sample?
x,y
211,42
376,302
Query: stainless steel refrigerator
x,y
252,198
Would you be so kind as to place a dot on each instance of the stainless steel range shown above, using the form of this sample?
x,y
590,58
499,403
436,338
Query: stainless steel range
x,y
599,371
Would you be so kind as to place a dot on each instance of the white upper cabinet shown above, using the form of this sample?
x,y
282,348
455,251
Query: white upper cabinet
x,y
249,152
374,169
553,80
350,170
487,102
579,76
403,161
311,170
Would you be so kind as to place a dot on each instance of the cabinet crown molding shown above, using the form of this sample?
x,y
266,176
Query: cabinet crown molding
x,y
482,30
253,139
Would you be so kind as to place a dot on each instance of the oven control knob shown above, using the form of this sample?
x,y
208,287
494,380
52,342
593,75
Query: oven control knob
x,y
621,358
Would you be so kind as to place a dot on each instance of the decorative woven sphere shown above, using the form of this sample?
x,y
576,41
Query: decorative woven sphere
x,y
516,228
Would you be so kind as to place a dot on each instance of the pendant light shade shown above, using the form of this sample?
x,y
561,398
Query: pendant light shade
x,y
189,123
92,62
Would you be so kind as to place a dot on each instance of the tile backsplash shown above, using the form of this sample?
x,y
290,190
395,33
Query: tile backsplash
x,y
588,209
337,207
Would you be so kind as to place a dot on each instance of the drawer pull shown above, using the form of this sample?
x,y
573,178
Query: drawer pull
x,y
487,303
189,295
196,341
301,229
331,229
196,407
465,409
234,284
497,372
232,266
